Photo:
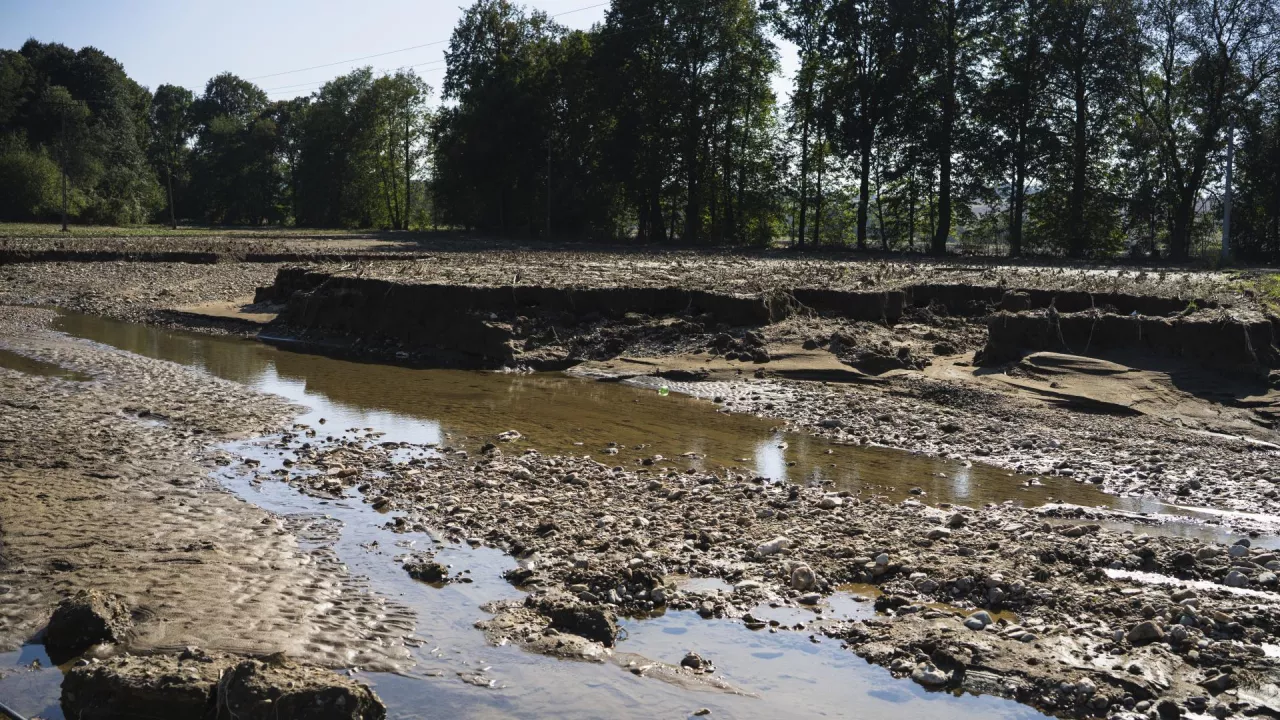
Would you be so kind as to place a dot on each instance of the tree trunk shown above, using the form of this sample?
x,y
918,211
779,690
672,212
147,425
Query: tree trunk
x,y
817,210
408,166
173,218
1018,194
945,136
1079,171
864,187
804,178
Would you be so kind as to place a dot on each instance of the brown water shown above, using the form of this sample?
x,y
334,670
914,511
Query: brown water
x,y
787,674
565,415
31,366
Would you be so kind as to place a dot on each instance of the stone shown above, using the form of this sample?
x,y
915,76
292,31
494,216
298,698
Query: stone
x,y
427,571
88,618
1238,551
930,676
774,546
803,578
1235,578
830,502
957,520
979,620
1145,632
588,621
696,662
509,436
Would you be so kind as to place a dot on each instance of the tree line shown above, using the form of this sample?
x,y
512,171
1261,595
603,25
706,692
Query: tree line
x,y
1084,128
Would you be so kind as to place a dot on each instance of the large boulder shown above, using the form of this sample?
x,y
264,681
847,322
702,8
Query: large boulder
x,y
88,618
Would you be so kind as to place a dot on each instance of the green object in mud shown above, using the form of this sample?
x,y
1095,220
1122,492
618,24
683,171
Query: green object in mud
x,y
664,391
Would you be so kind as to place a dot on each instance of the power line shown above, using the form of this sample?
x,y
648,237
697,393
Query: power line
x,y
393,52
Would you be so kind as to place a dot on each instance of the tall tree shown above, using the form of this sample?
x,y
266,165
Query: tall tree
x,y
956,28
874,58
1204,58
1015,101
172,127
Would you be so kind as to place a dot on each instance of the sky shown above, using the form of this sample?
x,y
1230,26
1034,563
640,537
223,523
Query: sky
x,y
186,42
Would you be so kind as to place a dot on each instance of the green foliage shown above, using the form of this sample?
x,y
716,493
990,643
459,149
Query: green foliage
x,y
29,181
1084,128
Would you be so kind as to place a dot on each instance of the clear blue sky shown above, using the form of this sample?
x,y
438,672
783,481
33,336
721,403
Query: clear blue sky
x,y
186,42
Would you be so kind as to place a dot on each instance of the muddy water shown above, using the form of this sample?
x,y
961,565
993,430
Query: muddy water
x,y
30,366
458,674
564,415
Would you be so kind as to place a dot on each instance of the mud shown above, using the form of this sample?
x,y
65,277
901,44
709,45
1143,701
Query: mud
x,y
1057,536
195,684
106,490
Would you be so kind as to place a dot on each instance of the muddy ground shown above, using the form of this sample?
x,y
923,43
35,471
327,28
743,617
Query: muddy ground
x,y
111,489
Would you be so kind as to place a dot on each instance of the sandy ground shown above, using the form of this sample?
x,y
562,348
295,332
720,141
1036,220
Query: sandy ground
x,y
107,488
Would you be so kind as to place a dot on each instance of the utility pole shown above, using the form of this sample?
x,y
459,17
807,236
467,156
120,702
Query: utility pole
x,y
1226,200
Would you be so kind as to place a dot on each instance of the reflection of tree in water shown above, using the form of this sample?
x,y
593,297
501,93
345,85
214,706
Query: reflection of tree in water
x,y
556,413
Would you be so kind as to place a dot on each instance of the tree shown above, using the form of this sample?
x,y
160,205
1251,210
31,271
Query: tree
x,y
172,128
952,60
806,24
399,105
874,59
237,174
1093,50
1015,102
1204,58
70,117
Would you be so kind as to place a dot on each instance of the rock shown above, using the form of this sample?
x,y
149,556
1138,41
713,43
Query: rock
x,y
957,520
257,690
830,423
1219,683
1145,632
774,546
938,534
569,615
803,578
830,502
928,675
1267,579
809,599
1235,578
509,436
193,685
1237,551
696,663
979,620
427,571
88,618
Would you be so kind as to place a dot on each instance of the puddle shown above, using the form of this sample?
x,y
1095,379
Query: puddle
x,y
787,673
30,684
566,415
1148,578
31,366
